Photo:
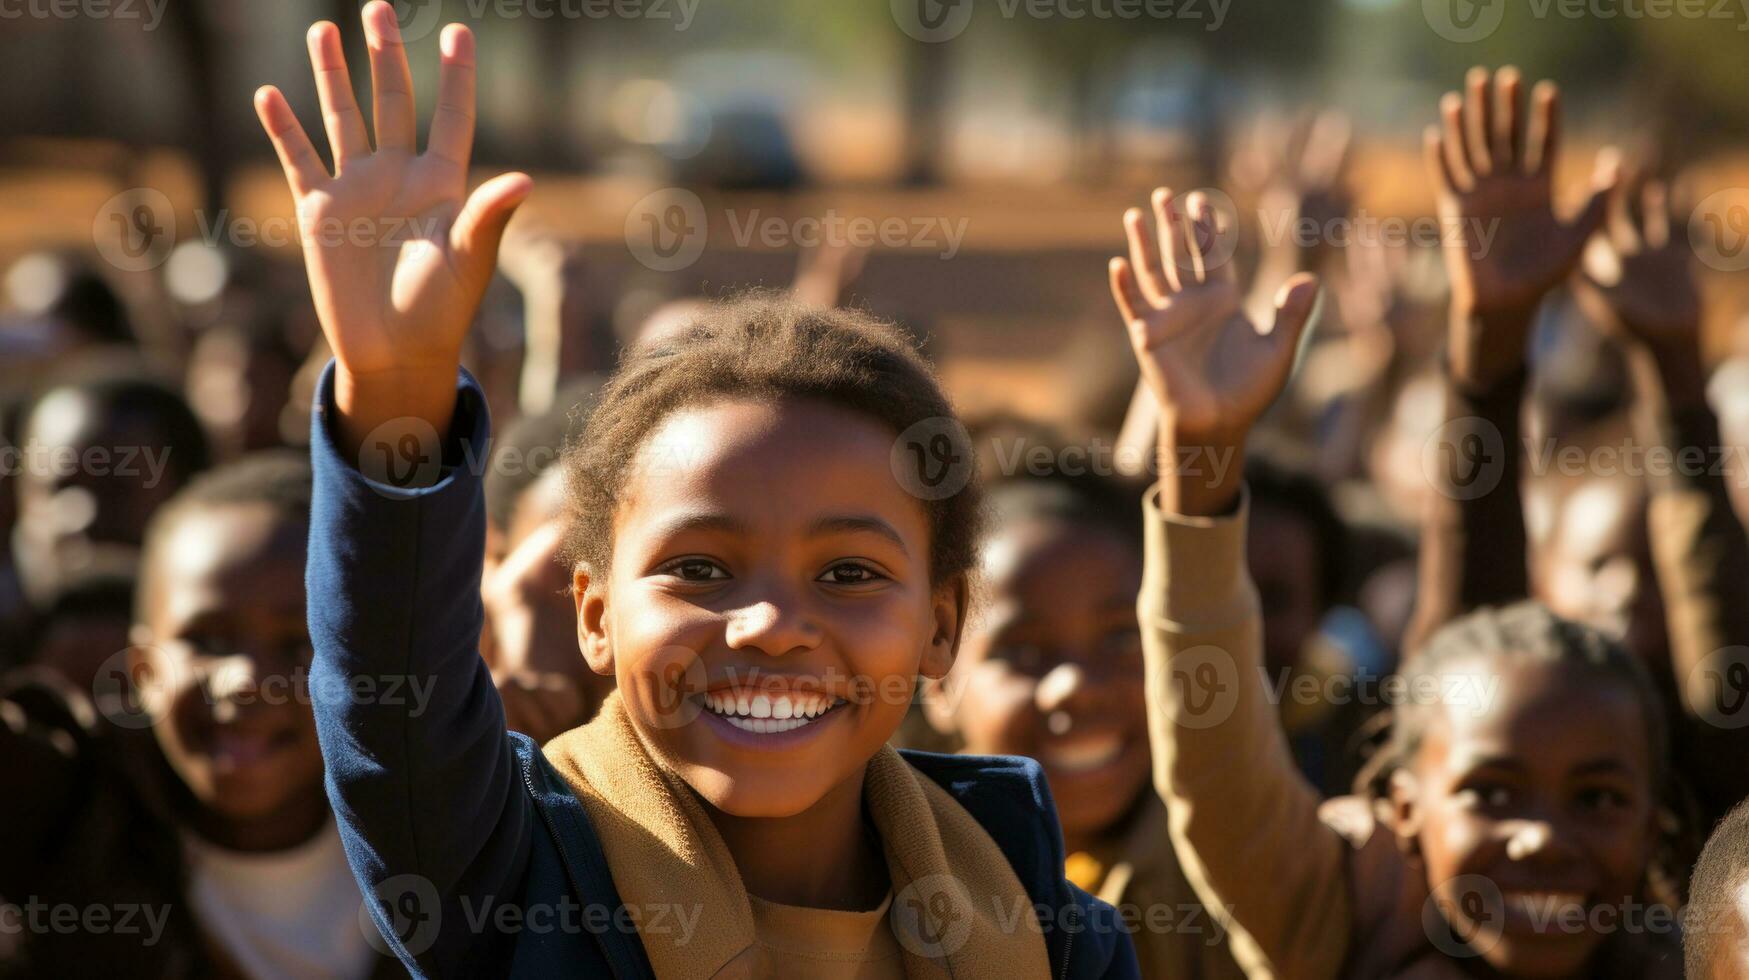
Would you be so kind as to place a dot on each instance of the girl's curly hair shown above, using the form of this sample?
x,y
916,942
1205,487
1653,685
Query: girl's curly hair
x,y
764,345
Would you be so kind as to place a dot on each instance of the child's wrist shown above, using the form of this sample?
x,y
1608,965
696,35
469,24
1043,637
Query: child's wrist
x,y
388,407
1199,477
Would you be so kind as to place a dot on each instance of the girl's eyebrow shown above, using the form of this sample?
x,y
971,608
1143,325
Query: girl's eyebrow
x,y
1608,764
700,521
852,524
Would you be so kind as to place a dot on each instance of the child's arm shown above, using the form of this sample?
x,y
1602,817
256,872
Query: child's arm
x,y
1244,821
1505,248
1639,284
421,773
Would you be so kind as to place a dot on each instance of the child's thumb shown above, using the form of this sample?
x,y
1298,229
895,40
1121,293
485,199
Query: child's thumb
x,y
1294,303
480,226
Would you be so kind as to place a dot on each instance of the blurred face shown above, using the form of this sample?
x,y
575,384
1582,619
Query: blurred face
x,y
1053,668
1532,811
223,661
102,476
238,391
769,606
1283,556
1596,565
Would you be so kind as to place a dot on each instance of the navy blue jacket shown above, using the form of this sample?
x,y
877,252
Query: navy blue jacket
x,y
474,856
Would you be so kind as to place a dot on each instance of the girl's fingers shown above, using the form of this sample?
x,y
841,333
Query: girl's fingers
x,y
1143,259
480,226
1452,141
1196,210
1212,227
1125,292
1171,232
1478,121
1544,134
1294,303
452,125
1619,219
1508,145
303,168
347,136
1438,167
391,82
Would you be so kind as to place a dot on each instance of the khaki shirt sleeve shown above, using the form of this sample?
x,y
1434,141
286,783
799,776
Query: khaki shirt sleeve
x,y
1244,821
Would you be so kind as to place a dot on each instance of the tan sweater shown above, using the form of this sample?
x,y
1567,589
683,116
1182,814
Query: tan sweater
x,y
1307,890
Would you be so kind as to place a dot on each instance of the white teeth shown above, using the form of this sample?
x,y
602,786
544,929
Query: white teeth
x,y
768,713
1085,755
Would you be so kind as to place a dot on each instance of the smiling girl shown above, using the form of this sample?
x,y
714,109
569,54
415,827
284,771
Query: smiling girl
x,y
751,568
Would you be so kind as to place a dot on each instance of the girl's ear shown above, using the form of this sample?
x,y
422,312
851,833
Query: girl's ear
x,y
1406,813
591,621
949,620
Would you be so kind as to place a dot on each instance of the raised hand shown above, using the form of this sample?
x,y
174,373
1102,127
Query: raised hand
x,y
1211,371
398,253
1505,247
1299,172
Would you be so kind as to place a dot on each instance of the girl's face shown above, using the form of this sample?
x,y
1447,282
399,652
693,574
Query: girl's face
x,y
769,606
1531,809
1053,668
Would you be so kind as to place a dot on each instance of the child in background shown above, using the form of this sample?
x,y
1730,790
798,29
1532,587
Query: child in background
x,y
750,566
1050,668
1506,811
134,442
204,811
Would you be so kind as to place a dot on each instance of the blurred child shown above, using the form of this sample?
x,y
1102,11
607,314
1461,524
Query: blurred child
x,y
203,813
751,569
1050,668
1715,924
530,637
84,624
101,449
1514,815
239,381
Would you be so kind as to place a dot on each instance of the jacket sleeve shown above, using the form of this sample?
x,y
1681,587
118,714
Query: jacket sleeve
x,y
1244,821
420,769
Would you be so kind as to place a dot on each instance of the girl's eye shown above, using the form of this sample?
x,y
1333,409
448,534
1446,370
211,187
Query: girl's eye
x,y
1492,796
696,570
1603,798
850,573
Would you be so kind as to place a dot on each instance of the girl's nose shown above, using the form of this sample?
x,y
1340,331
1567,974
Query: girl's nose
x,y
770,628
1533,840
1061,689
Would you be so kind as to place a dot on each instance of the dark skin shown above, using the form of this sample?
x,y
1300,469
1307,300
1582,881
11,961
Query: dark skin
x,y
1050,669
796,551
1545,792
780,556
221,655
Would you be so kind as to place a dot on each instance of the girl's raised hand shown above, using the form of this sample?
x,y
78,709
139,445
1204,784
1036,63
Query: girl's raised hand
x,y
1505,247
398,253
1211,371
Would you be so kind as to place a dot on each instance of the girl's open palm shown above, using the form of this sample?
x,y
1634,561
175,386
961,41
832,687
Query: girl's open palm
x,y
1494,171
1212,371
398,254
